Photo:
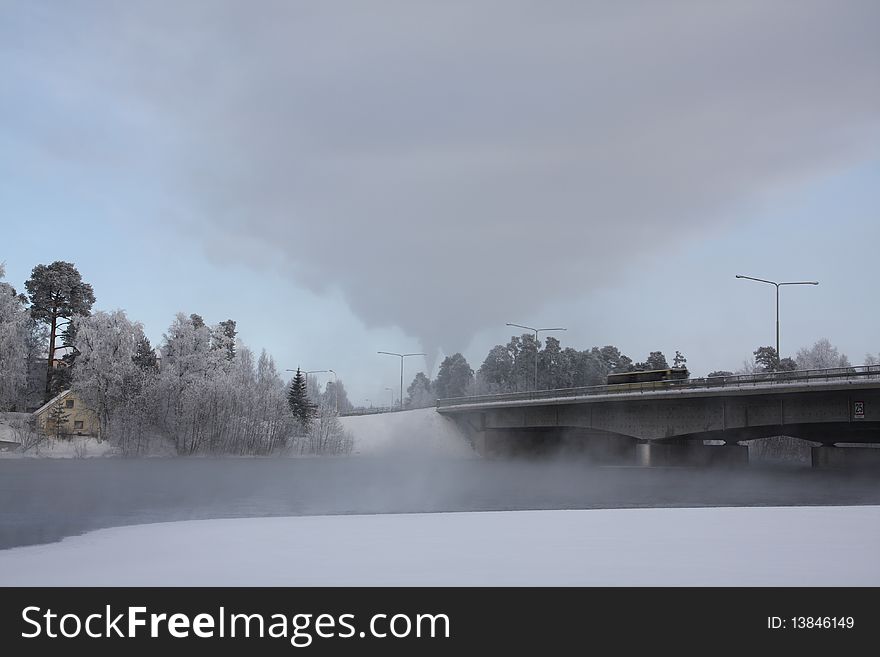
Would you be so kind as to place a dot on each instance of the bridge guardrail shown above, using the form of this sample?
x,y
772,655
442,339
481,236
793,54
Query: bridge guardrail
x,y
858,372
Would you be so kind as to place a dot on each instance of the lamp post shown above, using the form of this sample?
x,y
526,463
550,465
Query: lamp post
x,y
778,285
335,392
536,330
402,356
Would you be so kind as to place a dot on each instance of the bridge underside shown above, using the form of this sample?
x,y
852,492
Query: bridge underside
x,y
730,448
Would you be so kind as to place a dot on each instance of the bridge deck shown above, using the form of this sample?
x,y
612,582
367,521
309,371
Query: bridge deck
x,y
864,377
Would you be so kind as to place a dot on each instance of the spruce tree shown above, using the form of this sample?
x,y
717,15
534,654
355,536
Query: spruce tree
x,y
144,356
58,419
298,400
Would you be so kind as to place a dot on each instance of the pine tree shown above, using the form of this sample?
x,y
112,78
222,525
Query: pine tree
x,y
679,360
298,400
766,359
223,337
454,377
57,294
144,356
656,361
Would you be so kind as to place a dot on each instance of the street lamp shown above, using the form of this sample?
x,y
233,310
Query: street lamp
x,y
402,356
536,330
778,285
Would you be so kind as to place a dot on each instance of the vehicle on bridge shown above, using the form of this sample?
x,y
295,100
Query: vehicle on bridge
x,y
633,379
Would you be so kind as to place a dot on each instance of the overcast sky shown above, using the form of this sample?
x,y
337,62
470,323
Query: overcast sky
x,y
347,177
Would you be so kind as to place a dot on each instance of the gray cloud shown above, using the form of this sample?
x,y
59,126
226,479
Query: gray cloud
x,y
448,165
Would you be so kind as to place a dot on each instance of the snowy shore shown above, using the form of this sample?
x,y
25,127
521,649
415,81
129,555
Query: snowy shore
x,y
420,431
757,546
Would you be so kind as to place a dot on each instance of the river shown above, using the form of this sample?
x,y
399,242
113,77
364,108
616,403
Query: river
x,y
44,500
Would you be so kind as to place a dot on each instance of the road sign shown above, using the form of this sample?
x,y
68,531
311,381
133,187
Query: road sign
x,y
859,410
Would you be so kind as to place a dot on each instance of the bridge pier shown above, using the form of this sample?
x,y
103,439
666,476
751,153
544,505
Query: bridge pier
x,y
850,458
653,454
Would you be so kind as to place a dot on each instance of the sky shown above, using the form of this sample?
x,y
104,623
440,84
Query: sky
x,y
345,177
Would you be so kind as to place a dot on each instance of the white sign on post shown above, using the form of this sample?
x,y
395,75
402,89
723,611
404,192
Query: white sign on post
x,y
859,410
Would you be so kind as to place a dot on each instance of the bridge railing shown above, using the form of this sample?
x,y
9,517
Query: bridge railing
x,y
760,379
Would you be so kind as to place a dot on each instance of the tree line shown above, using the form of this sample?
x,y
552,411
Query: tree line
x,y
201,390
511,368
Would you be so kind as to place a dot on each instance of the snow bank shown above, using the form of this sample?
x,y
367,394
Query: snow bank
x,y
418,431
7,434
755,546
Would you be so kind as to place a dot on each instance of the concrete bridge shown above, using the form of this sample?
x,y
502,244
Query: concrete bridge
x,y
696,421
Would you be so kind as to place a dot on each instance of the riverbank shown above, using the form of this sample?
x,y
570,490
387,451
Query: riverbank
x,y
415,432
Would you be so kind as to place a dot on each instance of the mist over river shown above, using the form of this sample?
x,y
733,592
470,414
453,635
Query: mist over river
x,y
44,500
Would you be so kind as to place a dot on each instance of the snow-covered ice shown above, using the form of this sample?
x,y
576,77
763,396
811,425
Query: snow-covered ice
x,y
738,546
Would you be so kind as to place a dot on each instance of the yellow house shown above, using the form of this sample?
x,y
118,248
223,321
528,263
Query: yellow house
x,y
68,411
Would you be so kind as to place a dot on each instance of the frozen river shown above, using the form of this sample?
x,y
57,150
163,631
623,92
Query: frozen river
x,y
44,500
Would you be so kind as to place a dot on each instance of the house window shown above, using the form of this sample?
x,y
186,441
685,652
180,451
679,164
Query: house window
x,y
77,424
69,403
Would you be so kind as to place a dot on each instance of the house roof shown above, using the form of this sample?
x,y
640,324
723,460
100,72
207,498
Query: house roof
x,y
52,401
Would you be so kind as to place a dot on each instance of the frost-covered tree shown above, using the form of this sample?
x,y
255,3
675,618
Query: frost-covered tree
x,y
656,361
787,365
57,295
106,375
525,349
326,435
551,366
420,393
615,362
188,348
679,360
205,402
821,355
507,367
454,377
336,397
223,338
15,332
189,377
496,372
749,366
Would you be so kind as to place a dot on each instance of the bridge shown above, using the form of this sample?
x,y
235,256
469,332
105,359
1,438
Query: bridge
x,y
694,421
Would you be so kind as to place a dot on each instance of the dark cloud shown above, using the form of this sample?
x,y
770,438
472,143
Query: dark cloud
x,y
445,165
